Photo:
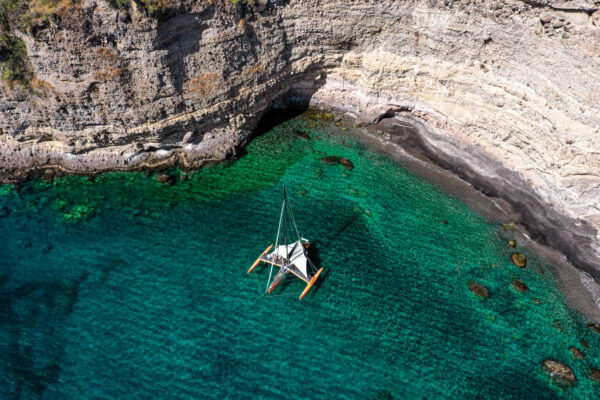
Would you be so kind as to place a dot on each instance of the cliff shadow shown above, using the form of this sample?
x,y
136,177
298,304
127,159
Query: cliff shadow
x,y
180,36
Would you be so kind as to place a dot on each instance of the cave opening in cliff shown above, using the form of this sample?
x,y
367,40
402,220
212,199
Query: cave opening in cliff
x,y
276,116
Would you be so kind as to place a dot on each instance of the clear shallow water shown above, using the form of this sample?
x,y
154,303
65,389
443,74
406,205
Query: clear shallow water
x,y
128,288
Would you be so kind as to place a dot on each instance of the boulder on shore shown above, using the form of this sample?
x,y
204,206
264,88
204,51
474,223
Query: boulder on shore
x,y
559,372
518,259
479,290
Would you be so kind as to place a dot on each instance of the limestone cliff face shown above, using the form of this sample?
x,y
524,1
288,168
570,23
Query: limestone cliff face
x,y
507,92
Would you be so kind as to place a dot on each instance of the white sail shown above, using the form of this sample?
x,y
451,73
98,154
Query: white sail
x,y
294,253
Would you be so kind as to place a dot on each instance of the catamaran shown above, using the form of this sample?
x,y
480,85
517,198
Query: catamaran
x,y
291,256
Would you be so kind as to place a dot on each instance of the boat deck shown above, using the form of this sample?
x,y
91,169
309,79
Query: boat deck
x,y
281,262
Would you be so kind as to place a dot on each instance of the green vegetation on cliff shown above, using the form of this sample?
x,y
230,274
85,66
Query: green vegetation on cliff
x,y
13,60
21,15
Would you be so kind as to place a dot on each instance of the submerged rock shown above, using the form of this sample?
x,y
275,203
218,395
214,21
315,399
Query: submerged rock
x,y
347,164
512,243
594,375
445,222
537,301
540,270
559,372
301,134
518,259
519,285
558,325
331,160
584,343
594,327
49,175
578,354
165,177
479,290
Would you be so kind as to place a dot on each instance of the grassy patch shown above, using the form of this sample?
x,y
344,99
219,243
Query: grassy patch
x,y
20,15
7,7
13,59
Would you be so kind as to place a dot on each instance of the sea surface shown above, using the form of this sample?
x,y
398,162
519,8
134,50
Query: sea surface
x,y
122,287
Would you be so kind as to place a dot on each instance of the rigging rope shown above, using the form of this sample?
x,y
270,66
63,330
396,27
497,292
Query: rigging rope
x,y
276,244
293,220
282,294
258,284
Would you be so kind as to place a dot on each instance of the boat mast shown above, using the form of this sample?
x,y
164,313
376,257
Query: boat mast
x,y
287,255
281,216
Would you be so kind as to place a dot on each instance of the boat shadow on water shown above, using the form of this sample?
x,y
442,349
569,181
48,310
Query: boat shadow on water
x,y
313,254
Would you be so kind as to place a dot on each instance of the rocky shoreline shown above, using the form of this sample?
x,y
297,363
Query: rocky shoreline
x,y
543,223
580,289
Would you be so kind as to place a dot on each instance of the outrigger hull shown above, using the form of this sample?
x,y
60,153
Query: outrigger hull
x,y
278,279
311,283
259,259
281,276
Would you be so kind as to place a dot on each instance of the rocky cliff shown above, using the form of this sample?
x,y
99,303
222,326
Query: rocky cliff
x,y
505,93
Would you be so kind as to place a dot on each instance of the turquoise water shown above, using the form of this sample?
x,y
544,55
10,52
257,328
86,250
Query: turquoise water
x,y
123,287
